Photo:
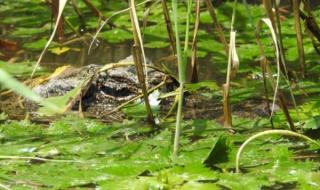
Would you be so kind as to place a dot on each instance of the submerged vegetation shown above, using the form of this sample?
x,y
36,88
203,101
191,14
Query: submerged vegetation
x,y
216,94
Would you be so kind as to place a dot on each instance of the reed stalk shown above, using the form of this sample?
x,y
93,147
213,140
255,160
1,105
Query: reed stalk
x,y
286,73
274,84
60,37
263,64
297,26
194,70
312,28
168,25
275,22
140,60
186,41
181,68
233,65
310,21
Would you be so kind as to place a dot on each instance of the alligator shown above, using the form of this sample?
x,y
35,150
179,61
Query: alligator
x,y
114,86
106,90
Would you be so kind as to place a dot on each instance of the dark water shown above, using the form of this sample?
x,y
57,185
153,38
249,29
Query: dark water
x,y
102,54
106,53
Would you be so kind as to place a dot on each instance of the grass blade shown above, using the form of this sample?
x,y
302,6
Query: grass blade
x,y
19,88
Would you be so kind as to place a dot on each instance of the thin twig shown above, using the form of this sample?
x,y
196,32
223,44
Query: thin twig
x,y
39,159
108,19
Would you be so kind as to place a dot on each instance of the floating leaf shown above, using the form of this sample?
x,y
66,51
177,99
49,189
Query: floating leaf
x,y
36,45
218,153
19,69
312,123
28,32
211,85
156,44
116,35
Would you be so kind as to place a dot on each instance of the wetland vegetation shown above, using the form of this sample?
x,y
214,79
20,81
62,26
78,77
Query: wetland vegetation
x,y
157,94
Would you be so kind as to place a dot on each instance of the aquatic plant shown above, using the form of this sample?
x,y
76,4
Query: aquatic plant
x,y
207,40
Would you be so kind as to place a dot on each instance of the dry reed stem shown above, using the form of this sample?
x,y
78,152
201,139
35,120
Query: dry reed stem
x,y
194,73
217,26
269,132
274,84
281,54
140,59
274,39
139,68
166,16
226,107
233,65
263,65
297,25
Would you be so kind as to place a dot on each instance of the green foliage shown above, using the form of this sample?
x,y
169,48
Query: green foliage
x,y
36,45
29,32
21,69
312,123
211,85
156,44
115,155
129,155
11,83
116,35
